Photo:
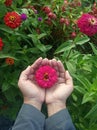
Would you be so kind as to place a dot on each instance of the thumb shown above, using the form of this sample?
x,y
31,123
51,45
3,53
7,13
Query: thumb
x,y
69,80
25,73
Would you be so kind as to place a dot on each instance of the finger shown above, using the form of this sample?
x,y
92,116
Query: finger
x,y
60,66
53,63
45,62
49,63
68,79
25,73
61,80
62,75
31,77
36,64
61,69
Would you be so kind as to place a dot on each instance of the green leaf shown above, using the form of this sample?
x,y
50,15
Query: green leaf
x,y
33,50
92,112
13,32
71,66
65,47
88,97
94,127
2,1
41,35
93,48
6,29
5,86
94,85
3,10
40,46
11,93
20,2
1,102
81,40
74,97
37,42
84,81
80,89
7,56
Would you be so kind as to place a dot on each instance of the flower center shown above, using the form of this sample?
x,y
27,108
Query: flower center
x,y
92,21
12,18
46,76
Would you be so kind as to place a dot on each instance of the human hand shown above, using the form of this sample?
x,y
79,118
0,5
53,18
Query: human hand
x,y
57,95
32,93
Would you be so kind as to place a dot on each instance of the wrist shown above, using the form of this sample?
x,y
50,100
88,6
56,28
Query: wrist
x,y
33,102
55,107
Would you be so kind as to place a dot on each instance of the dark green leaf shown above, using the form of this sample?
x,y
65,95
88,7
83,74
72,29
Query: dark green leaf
x,y
65,47
94,48
84,81
88,97
7,56
37,42
92,112
81,40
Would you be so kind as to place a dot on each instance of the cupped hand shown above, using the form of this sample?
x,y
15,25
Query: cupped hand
x,y
57,95
32,93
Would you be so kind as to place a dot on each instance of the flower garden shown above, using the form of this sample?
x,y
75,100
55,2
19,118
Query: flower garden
x,y
61,29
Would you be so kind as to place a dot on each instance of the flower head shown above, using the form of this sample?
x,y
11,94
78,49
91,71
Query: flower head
x,y
46,9
23,16
12,20
46,76
1,44
52,15
39,19
8,2
87,24
9,61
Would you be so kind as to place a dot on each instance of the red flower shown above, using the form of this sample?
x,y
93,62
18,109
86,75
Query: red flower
x,y
46,9
67,22
87,24
62,20
9,61
12,19
8,2
46,76
1,44
52,15
73,34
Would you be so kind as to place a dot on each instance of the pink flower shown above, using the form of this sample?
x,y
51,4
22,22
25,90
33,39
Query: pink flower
x,y
1,44
52,15
87,24
46,76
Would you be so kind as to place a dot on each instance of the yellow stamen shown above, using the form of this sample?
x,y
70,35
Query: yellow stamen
x,y
12,18
92,21
46,76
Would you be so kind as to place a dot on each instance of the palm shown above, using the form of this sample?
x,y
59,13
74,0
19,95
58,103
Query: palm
x,y
61,90
31,90
58,92
27,83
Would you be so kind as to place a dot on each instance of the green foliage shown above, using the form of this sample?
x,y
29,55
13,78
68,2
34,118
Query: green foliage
x,y
34,39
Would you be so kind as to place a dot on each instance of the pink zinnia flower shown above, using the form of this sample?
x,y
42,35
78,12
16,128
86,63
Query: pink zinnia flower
x,y
46,76
87,24
1,44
